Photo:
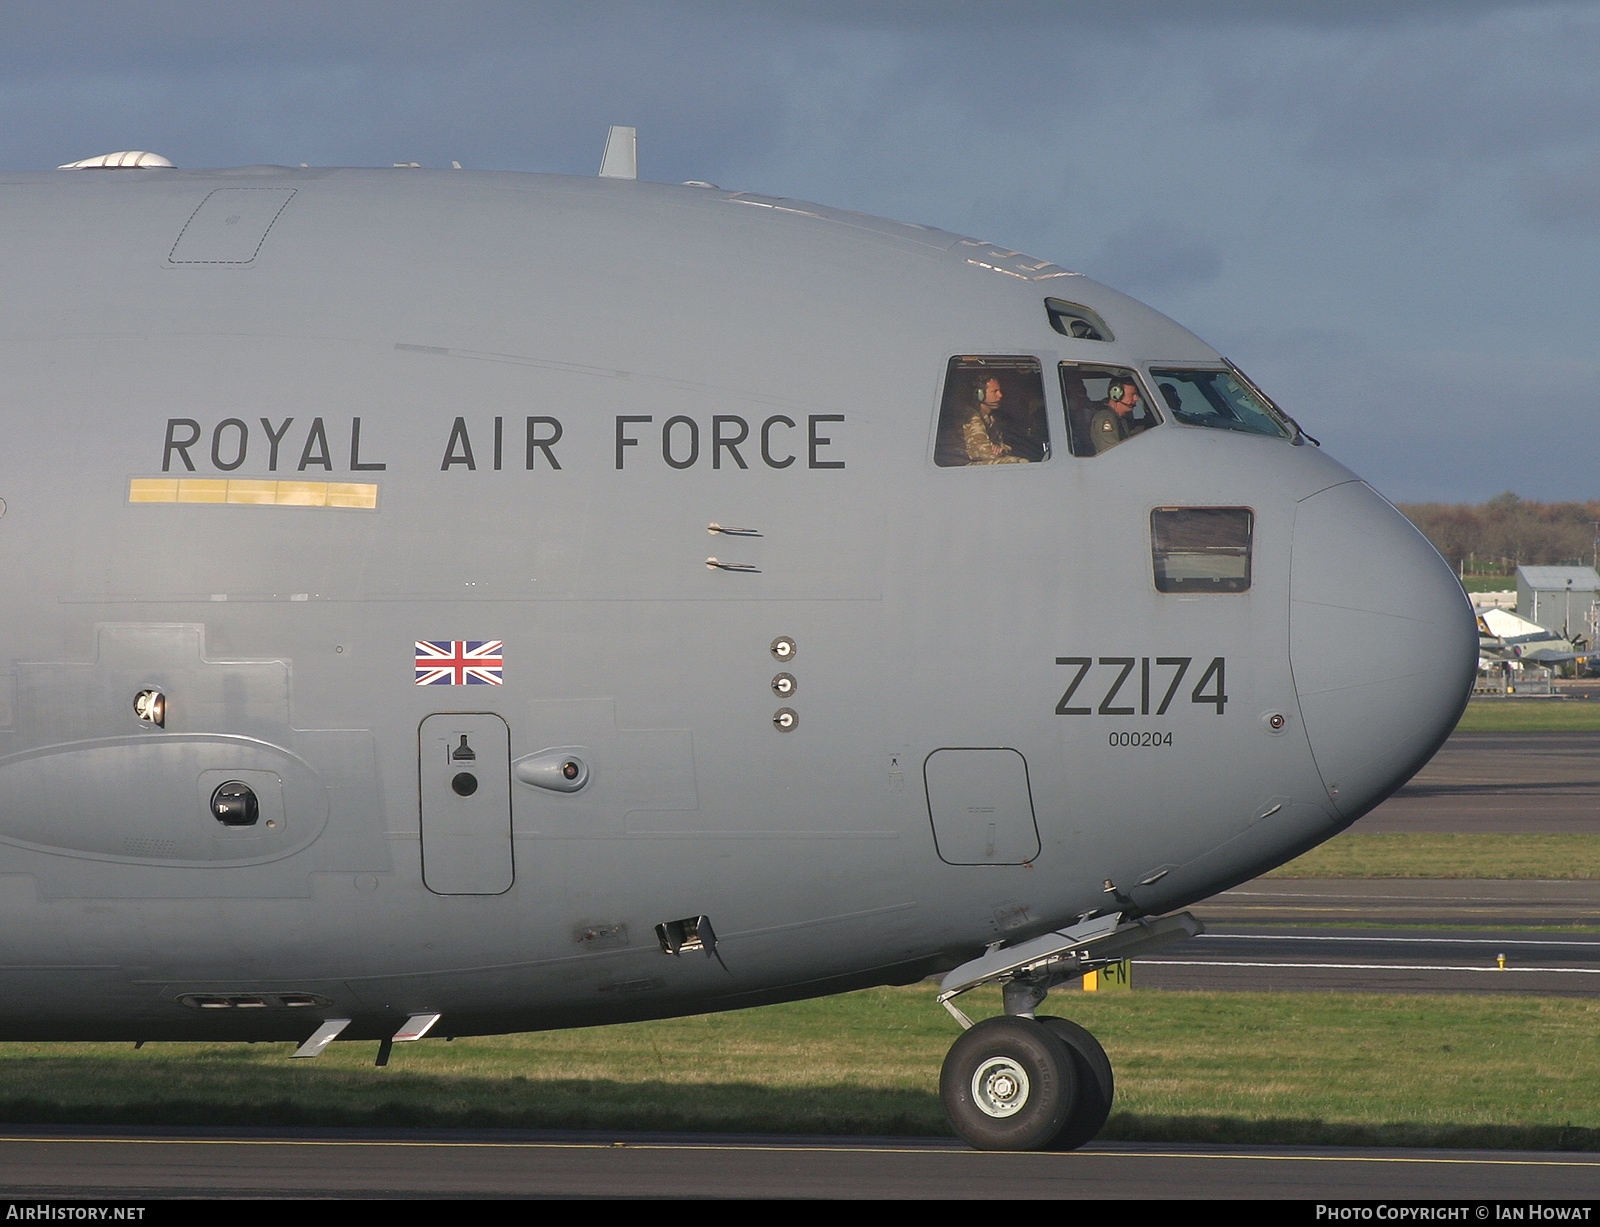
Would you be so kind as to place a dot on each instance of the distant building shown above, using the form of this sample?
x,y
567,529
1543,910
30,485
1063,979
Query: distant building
x,y
1494,600
1561,599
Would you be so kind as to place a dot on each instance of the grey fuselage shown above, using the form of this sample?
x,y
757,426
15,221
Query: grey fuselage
x,y
705,357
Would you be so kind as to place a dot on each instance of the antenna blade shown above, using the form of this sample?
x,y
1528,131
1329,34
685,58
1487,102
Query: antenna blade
x,y
621,160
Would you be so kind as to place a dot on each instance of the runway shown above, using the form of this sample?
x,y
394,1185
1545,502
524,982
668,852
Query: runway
x,y
1400,935
1377,961
1258,937
130,1165
1381,902
1500,782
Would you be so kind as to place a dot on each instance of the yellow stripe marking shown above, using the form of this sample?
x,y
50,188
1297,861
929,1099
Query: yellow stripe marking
x,y
253,492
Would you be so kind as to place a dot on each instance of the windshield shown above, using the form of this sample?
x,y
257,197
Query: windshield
x,y
1219,398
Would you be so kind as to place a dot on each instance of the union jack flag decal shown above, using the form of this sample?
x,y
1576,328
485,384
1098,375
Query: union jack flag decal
x,y
460,662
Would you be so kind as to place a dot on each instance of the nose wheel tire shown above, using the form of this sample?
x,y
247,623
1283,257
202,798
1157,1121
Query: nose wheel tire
x,y
1096,1086
1010,1084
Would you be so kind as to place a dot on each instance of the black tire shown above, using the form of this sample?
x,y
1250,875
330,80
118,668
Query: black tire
x,y
1009,1084
1096,1086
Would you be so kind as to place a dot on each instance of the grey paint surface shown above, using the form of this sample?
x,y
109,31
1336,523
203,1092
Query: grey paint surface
x,y
424,333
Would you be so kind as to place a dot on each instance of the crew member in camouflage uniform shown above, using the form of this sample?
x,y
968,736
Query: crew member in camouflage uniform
x,y
981,432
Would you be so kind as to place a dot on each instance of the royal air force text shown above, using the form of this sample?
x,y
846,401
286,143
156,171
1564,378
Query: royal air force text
x,y
726,441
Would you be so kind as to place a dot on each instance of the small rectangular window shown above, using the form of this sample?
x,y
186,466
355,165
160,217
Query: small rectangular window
x,y
1201,549
1079,323
992,413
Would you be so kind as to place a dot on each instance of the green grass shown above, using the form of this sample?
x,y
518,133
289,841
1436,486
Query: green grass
x,y
1490,583
1324,1068
1530,716
1449,855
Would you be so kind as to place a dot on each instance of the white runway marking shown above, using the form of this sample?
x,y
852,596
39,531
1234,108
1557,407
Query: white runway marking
x,y
1448,941
1581,971
1363,898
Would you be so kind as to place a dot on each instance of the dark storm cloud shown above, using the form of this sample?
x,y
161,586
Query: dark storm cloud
x,y
197,32
496,85
532,85
1451,424
924,15
1513,81
1566,199
1152,257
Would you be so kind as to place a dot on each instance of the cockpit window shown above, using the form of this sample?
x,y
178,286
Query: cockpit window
x,y
992,413
1105,405
1221,399
1201,549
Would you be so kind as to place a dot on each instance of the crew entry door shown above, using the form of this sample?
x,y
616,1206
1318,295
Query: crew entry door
x,y
464,769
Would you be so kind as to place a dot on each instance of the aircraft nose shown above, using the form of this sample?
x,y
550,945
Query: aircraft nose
x,y
1383,644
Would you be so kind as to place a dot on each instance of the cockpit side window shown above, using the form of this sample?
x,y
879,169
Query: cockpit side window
x,y
992,413
1105,405
1221,399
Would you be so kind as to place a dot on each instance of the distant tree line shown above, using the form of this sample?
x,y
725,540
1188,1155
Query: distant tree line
x,y
1507,532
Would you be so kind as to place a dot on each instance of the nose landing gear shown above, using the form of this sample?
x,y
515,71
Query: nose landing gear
x,y
1009,1084
1026,1082
1013,1083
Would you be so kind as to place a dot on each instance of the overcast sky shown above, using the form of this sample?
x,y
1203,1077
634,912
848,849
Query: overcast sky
x,y
1386,211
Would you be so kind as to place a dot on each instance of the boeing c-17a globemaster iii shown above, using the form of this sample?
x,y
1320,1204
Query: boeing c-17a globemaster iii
x,y
492,602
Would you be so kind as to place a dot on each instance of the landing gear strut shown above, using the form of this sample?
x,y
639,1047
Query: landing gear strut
x,y
1026,1082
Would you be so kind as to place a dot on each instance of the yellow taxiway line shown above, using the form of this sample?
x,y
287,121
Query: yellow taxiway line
x,y
401,1143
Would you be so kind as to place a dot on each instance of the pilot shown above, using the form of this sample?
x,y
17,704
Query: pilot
x,y
983,433
1112,421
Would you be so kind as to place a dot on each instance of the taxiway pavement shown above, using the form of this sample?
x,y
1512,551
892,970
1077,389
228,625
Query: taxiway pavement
x,y
1382,902
1423,935
129,1165
1377,961
1500,782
